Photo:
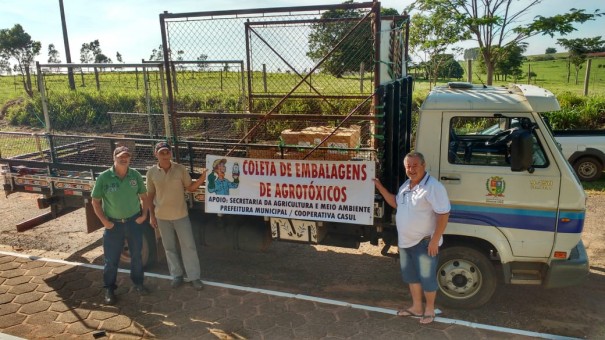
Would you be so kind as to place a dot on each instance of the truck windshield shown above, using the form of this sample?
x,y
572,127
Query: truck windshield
x,y
484,141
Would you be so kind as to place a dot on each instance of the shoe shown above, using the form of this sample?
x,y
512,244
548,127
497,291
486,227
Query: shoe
x,y
176,282
110,297
408,312
142,290
197,284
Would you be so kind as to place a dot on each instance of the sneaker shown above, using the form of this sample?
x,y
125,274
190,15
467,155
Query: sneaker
x,y
197,284
110,297
176,282
142,290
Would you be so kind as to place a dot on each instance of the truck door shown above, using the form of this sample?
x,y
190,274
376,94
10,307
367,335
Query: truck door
x,y
485,193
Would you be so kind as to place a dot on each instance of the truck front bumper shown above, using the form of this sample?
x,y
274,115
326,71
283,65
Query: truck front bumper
x,y
570,272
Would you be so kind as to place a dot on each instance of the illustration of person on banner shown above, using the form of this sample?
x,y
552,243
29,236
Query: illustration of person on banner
x,y
217,183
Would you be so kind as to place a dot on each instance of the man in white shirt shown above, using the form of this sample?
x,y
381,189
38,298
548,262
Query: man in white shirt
x,y
422,213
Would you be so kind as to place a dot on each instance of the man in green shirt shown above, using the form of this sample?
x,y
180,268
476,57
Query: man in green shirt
x,y
119,199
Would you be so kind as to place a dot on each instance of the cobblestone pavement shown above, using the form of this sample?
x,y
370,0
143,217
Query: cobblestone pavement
x,y
42,298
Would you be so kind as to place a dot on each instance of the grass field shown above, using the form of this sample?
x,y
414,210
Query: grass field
x,y
551,74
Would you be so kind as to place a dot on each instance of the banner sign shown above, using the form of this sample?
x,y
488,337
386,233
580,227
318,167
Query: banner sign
x,y
298,189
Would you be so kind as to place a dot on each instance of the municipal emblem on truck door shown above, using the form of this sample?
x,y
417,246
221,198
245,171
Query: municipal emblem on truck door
x,y
495,186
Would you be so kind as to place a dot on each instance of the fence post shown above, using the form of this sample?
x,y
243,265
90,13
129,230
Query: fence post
x,y
361,69
174,80
97,79
469,67
265,77
42,90
310,81
587,77
167,128
148,102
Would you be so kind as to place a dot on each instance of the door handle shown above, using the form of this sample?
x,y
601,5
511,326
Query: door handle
x,y
445,178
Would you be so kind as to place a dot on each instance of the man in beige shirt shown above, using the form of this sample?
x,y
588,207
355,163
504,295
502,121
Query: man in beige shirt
x,y
166,185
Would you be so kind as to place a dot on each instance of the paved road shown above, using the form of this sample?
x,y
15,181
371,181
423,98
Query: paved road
x,y
42,298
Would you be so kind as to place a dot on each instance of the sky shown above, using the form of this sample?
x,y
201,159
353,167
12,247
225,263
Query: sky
x,y
131,27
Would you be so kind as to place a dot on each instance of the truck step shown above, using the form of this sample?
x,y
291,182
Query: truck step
x,y
526,277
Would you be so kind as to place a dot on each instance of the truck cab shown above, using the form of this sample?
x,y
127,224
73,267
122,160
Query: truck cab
x,y
516,202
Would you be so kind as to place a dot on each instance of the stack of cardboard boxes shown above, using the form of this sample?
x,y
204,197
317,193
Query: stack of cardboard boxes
x,y
338,143
343,138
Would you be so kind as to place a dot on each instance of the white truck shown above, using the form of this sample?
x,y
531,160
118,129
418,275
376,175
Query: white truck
x,y
585,151
515,199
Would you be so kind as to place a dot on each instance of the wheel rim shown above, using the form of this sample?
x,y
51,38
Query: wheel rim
x,y
459,279
587,169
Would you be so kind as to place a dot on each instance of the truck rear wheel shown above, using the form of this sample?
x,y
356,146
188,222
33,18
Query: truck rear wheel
x,y
466,278
148,251
588,169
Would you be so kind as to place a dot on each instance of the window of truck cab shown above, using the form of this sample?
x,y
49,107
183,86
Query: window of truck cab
x,y
468,141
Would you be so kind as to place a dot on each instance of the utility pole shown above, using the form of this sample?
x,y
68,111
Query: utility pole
x,y
70,70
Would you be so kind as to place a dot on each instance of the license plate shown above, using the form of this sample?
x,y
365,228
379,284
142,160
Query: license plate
x,y
293,230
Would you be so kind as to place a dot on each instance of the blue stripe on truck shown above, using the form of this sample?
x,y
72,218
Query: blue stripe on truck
x,y
517,218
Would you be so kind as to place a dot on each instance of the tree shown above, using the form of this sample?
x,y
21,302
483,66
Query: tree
x,y
53,54
5,66
89,51
102,59
16,44
578,48
494,23
202,66
551,50
471,53
352,52
509,61
179,57
157,54
119,58
432,35
447,66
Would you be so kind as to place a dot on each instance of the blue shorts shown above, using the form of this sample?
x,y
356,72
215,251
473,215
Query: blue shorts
x,y
418,267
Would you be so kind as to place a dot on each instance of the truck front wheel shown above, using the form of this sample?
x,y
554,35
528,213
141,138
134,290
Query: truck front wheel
x,y
466,278
588,169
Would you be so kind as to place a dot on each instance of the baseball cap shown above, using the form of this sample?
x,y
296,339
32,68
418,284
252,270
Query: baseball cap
x,y
218,161
120,150
162,145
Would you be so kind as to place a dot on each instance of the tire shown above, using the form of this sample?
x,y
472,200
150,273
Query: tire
x,y
466,278
588,169
148,252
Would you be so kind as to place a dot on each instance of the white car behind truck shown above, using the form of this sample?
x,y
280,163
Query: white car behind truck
x,y
585,151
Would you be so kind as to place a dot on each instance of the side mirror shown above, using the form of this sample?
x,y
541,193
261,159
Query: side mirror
x,y
521,151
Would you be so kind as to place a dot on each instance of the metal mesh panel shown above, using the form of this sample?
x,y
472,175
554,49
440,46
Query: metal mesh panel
x,y
304,68
100,90
79,152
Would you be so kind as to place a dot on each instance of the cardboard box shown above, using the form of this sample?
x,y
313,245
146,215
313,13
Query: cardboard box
x,y
313,135
263,152
290,137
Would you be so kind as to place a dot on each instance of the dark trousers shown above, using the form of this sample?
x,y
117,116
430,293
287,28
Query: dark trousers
x,y
113,243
